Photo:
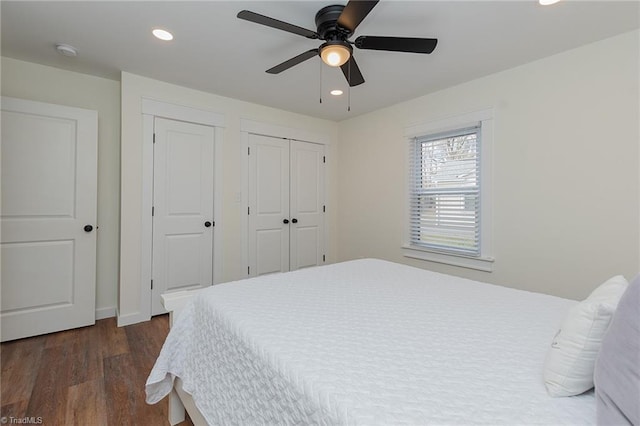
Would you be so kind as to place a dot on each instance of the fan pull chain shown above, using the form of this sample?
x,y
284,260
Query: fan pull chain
x,y
349,86
320,81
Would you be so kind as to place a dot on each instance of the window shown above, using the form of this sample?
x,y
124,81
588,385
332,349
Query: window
x,y
448,191
445,192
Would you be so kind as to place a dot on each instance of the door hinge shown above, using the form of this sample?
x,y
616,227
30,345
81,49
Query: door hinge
x,y
153,210
248,150
323,258
324,209
151,284
324,159
248,210
154,138
248,270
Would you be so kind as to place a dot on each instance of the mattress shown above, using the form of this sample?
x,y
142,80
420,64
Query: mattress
x,y
367,342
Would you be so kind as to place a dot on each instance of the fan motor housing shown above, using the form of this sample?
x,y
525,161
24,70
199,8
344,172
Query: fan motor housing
x,y
327,23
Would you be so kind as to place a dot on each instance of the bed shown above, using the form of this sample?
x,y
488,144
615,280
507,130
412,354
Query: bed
x,y
363,342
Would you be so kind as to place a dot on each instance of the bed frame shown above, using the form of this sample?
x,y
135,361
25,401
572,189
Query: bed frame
x,y
179,400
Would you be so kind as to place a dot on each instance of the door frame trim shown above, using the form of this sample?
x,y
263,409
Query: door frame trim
x,y
248,127
150,109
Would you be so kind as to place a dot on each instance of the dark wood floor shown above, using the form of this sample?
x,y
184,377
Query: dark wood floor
x,y
87,376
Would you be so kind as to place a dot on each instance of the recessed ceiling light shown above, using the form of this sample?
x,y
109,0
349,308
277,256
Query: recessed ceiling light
x,y
162,34
66,50
547,2
337,92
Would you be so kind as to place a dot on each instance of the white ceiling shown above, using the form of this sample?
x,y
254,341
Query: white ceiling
x,y
215,52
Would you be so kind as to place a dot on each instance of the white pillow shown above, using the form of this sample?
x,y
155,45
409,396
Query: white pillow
x,y
570,362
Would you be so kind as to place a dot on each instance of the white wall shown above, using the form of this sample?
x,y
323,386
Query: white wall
x,y
566,136
35,82
134,88
565,175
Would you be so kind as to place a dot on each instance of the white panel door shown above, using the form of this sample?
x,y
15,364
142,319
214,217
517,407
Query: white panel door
x,y
183,220
268,205
48,218
286,205
307,204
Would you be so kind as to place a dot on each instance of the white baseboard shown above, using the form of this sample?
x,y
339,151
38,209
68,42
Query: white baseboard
x,y
103,313
134,318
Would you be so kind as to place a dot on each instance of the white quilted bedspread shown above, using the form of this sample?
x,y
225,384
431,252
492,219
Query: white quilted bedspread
x,y
367,342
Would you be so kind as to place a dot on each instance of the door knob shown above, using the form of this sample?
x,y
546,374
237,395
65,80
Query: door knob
x,y
285,221
88,228
294,220
207,224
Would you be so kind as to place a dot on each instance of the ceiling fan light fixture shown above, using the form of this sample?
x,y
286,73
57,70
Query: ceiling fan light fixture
x,y
335,53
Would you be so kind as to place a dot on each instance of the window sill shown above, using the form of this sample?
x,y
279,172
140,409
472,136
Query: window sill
x,y
479,263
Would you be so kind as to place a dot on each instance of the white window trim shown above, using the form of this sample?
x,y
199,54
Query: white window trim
x,y
485,261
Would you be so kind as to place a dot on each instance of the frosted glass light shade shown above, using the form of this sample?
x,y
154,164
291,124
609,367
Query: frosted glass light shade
x,y
335,55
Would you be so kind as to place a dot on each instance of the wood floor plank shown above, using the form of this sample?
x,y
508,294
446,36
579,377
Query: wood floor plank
x,y
15,409
126,403
61,338
147,340
20,362
86,356
88,376
113,338
86,404
49,395
120,388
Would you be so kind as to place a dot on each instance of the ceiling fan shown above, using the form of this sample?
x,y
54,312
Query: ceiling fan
x,y
335,24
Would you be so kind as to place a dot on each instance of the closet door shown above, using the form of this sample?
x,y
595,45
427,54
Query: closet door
x,y
268,205
307,204
286,205
182,208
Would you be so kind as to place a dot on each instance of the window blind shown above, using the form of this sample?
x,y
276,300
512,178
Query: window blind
x,y
444,192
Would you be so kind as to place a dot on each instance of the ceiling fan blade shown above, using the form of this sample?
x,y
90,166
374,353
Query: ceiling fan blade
x,y
352,72
397,44
274,23
354,12
293,61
